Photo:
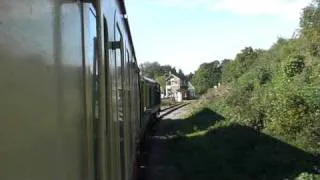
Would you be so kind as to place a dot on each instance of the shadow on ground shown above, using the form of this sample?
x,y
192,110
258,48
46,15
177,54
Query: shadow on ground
x,y
232,152
197,122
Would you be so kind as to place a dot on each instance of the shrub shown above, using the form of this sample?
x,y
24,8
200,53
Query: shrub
x,y
294,65
310,135
289,111
252,116
264,75
241,96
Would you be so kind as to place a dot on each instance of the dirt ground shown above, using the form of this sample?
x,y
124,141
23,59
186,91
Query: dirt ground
x,y
159,166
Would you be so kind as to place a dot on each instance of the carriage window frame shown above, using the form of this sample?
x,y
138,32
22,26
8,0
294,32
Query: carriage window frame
x,y
119,71
119,38
106,72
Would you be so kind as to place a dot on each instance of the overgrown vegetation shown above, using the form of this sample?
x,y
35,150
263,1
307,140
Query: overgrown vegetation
x,y
208,75
206,146
270,103
276,91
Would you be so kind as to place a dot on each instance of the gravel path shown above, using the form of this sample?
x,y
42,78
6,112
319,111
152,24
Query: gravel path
x,y
159,166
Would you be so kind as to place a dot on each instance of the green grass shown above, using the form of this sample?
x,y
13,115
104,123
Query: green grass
x,y
206,146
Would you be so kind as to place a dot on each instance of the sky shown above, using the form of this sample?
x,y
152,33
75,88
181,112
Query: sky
x,y
187,33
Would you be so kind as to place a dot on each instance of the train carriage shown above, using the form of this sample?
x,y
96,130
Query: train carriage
x,y
70,91
151,101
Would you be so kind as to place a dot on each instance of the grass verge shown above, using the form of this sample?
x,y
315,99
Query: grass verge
x,y
207,146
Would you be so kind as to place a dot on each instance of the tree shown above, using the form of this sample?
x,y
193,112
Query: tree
x,y
244,60
225,62
162,81
159,73
207,76
166,69
150,69
181,74
310,27
189,76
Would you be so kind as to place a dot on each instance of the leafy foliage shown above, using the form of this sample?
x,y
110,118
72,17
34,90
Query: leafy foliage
x,y
264,75
243,62
310,27
294,66
207,76
162,81
151,69
275,91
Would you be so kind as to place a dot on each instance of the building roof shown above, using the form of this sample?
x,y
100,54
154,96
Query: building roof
x,y
170,76
149,80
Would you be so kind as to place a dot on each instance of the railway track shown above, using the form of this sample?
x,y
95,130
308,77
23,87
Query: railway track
x,y
153,128
170,109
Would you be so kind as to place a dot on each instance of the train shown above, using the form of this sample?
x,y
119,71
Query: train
x,y
73,103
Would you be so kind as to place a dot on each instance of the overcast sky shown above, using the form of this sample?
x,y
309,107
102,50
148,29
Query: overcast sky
x,y
186,33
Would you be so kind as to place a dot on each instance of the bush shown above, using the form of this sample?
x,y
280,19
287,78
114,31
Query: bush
x,y
245,102
292,105
252,116
241,96
264,75
310,135
294,66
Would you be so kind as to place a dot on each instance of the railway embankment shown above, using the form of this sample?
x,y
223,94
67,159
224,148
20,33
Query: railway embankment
x,y
195,142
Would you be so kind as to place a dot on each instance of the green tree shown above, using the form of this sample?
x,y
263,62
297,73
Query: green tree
x,y
162,81
310,27
154,69
150,69
181,74
244,60
207,76
189,76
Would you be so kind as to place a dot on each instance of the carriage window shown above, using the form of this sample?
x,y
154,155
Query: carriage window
x,y
92,63
119,70
120,96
